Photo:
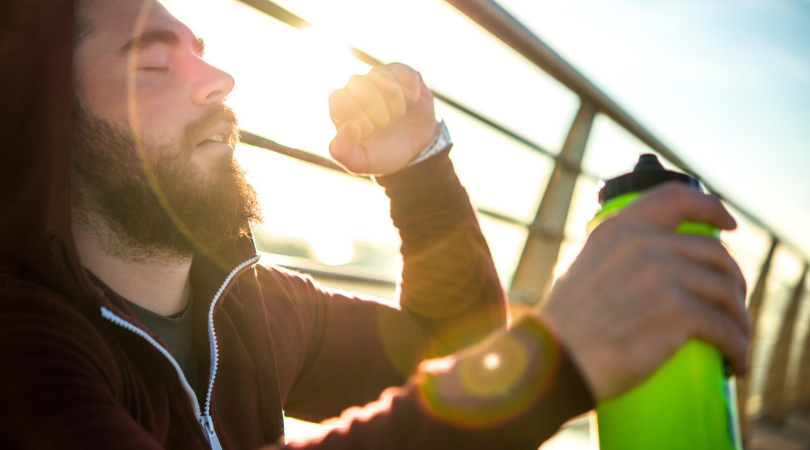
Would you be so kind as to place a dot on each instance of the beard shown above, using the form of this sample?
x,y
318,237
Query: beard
x,y
146,201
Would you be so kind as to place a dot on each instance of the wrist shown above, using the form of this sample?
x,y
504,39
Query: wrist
x,y
564,341
440,140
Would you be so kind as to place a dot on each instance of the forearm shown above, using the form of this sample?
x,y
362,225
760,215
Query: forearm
x,y
513,391
448,278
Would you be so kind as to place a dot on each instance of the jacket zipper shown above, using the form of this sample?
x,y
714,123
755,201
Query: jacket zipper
x,y
204,416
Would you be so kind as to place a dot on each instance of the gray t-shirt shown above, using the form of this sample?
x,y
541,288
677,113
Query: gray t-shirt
x,y
175,330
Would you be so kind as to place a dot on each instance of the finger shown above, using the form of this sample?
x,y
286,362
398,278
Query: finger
x,y
345,148
668,205
391,90
370,99
707,251
717,289
714,326
409,80
344,108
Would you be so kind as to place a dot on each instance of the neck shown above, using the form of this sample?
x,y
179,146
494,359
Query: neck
x,y
159,284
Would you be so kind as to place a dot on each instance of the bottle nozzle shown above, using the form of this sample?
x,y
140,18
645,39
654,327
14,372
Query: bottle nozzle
x,y
648,161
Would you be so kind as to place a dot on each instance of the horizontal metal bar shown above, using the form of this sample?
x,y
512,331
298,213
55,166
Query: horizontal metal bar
x,y
372,61
268,144
501,24
503,218
493,18
281,14
347,272
302,155
276,11
511,31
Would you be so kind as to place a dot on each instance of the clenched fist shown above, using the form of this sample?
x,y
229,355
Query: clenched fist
x,y
383,120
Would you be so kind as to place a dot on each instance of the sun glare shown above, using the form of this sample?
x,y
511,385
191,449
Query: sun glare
x,y
492,361
332,249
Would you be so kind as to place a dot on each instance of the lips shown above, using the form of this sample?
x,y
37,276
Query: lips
x,y
216,137
221,134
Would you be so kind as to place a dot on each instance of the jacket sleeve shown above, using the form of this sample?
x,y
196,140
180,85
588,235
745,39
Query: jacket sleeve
x,y
512,391
51,373
449,298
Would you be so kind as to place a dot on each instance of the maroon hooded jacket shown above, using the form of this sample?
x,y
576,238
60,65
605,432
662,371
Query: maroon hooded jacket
x,y
79,370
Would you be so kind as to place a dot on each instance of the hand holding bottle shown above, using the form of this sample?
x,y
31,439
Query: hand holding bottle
x,y
638,291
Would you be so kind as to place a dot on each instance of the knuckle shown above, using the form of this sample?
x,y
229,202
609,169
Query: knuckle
x,y
354,80
386,86
676,194
384,74
396,65
335,98
720,250
729,287
379,69
673,189
400,70
727,328
742,288
727,336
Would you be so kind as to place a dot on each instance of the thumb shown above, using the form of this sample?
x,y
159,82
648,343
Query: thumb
x,y
345,147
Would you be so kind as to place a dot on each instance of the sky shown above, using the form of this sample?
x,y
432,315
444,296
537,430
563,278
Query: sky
x,y
726,84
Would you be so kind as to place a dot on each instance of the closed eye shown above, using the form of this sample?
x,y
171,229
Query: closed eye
x,y
155,69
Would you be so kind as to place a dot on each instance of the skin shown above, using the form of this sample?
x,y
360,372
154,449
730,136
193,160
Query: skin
x,y
638,291
601,309
158,89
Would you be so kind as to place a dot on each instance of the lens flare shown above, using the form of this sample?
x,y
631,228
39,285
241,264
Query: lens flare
x,y
138,138
492,361
495,382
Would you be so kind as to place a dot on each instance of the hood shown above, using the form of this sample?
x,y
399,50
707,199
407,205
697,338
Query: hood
x,y
36,43
36,243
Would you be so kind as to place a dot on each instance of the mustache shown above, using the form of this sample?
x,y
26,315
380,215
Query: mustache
x,y
195,131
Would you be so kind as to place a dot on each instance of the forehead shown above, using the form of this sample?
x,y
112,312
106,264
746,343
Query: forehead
x,y
116,21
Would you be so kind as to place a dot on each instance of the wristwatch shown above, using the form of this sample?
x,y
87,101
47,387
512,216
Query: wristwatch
x,y
440,141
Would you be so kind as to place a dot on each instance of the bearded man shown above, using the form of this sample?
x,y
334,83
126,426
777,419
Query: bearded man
x,y
135,313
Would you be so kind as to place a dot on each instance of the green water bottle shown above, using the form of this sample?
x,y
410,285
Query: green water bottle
x,y
689,402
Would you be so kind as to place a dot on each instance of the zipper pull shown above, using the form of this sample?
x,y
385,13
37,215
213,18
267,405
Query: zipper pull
x,y
208,427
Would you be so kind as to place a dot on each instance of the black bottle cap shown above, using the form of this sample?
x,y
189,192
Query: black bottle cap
x,y
648,173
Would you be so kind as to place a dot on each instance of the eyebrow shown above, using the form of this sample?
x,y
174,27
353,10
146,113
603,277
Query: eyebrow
x,y
150,38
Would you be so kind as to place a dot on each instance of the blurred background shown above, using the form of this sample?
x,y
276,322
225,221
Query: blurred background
x,y
543,100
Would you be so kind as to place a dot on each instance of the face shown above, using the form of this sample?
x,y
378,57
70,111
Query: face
x,y
153,141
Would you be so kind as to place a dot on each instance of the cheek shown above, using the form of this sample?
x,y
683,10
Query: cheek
x,y
153,110
161,125
159,107
103,89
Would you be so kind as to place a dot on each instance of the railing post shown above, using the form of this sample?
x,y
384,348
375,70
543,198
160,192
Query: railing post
x,y
803,388
542,248
754,307
775,399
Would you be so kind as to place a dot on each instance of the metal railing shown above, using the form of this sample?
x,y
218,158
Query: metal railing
x,y
541,251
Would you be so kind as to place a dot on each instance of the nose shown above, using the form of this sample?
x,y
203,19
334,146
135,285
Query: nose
x,y
212,85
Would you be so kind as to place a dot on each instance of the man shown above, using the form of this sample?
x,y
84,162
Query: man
x,y
134,312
